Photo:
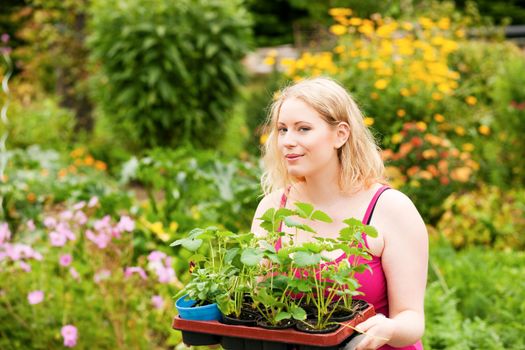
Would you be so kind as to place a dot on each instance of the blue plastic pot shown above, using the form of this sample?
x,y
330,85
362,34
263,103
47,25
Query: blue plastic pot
x,y
197,313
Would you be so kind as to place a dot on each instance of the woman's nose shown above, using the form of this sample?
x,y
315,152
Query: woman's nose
x,y
289,139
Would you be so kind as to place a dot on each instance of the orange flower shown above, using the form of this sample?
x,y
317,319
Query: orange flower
x,y
484,130
433,170
89,160
444,180
62,172
461,174
31,198
401,113
100,165
412,170
471,100
404,149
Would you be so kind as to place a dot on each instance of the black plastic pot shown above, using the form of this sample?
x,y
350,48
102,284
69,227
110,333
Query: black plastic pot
x,y
247,318
197,339
305,327
284,324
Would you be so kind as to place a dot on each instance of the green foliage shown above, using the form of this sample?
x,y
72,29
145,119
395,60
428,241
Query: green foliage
x,y
487,288
36,178
26,121
170,70
83,283
488,216
197,188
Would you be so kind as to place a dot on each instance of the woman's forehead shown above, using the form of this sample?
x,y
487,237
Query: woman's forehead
x,y
295,110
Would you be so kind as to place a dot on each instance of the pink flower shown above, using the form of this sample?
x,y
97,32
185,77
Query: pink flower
x,y
74,273
156,256
80,217
50,222
30,225
70,334
101,240
102,224
35,297
4,38
101,275
79,205
92,202
157,301
126,224
5,234
135,269
66,215
64,229
65,260
57,239
24,266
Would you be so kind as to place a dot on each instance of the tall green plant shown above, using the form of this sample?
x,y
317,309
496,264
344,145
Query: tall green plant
x,y
171,69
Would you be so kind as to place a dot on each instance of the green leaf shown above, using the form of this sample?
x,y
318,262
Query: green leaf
x,y
321,216
283,315
251,256
291,223
298,313
304,259
370,231
304,210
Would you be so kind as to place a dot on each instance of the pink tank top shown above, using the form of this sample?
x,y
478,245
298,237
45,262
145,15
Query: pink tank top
x,y
373,283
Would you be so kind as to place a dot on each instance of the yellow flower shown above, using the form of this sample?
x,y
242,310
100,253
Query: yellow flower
x,y
339,49
338,29
366,29
471,100
426,22
362,65
404,92
461,174
269,61
439,118
436,96
369,121
174,226
460,33
401,113
407,26
484,130
421,126
263,138
429,153
355,21
459,130
340,11
468,147
381,84
444,23
374,95
397,138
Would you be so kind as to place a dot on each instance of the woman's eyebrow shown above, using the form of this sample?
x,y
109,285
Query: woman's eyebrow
x,y
299,122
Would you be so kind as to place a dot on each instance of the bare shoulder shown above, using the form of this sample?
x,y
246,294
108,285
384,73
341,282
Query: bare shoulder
x,y
396,213
271,200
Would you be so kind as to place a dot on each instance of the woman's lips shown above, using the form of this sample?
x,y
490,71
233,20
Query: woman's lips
x,y
293,156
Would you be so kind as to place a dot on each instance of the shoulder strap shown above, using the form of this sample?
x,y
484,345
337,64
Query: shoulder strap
x,y
372,205
284,199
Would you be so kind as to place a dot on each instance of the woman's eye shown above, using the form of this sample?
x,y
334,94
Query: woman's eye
x,y
282,130
304,128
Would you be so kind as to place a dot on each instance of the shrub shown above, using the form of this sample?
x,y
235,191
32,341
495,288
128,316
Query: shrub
x,y
488,286
171,70
488,216
427,167
79,269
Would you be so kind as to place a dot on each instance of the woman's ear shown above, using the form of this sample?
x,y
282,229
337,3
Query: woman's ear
x,y
342,134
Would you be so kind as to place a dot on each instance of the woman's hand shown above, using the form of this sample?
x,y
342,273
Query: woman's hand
x,y
379,330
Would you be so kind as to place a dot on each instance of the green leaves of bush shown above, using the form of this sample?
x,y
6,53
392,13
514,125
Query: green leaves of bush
x,y
170,69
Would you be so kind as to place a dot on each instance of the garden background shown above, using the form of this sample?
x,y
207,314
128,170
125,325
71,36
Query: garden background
x,y
124,124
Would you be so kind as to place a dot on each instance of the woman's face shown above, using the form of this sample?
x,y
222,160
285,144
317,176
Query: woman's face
x,y
307,143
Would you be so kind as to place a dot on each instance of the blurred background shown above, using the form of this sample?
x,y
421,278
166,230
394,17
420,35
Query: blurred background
x,y
126,123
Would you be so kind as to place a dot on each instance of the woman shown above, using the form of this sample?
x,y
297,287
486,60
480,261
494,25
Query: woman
x,y
319,151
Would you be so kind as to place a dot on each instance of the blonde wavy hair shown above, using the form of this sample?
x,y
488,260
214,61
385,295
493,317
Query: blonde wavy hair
x,y
359,158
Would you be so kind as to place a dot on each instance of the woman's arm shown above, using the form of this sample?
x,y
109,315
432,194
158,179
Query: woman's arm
x,y
404,261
